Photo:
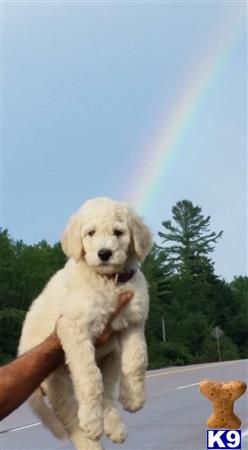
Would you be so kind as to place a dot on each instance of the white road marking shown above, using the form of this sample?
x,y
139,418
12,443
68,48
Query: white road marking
x,y
187,369
9,430
188,385
190,369
245,433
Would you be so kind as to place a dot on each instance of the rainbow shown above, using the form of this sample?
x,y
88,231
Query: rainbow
x,y
167,140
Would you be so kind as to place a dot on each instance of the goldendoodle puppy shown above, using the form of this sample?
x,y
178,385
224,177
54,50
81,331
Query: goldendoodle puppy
x,y
104,241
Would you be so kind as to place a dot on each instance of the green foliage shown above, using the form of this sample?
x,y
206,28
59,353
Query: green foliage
x,y
168,354
184,291
188,240
195,300
8,287
10,328
25,269
229,351
35,265
158,275
238,323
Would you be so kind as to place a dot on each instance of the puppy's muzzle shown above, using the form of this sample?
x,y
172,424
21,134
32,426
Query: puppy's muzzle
x,y
104,254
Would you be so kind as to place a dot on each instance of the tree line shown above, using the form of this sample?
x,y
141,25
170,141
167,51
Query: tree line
x,y
187,298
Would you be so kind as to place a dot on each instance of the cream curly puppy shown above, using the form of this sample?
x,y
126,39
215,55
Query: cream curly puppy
x,y
104,242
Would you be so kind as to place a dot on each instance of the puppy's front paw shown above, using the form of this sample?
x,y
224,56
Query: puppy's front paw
x,y
114,428
91,421
118,434
132,395
132,404
81,441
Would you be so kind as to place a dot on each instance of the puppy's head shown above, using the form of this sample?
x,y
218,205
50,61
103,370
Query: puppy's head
x,y
106,234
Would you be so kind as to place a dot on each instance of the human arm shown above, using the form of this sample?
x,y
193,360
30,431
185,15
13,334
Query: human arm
x,y
22,376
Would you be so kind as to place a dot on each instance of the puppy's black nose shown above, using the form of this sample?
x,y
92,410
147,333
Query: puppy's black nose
x,y
104,254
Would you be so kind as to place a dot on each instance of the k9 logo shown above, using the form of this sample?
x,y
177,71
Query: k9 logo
x,y
223,439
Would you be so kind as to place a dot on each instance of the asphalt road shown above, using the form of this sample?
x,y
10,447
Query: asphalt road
x,y
174,417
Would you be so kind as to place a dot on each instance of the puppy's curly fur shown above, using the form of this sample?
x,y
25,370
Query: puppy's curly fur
x,y
82,296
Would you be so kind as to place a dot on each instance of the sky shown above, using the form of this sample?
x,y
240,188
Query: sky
x,y
141,101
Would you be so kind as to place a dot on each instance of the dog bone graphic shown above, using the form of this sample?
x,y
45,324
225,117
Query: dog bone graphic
x,y
223,396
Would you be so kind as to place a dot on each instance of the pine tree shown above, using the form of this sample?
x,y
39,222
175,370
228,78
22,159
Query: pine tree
x,y
188,241
158,275
237,323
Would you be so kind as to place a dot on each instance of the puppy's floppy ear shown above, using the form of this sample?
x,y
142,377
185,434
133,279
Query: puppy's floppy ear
x,y
140,233
71,240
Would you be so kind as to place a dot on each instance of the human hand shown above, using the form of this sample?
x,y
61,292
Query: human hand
x,y
22,376
122,301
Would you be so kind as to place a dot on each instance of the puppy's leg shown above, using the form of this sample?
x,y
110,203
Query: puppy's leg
x,y
114,428
59,391
61,396
86,376
81,442
133,368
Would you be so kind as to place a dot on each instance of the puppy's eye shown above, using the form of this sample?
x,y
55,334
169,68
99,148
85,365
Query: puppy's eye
x,y
91,233
118,232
